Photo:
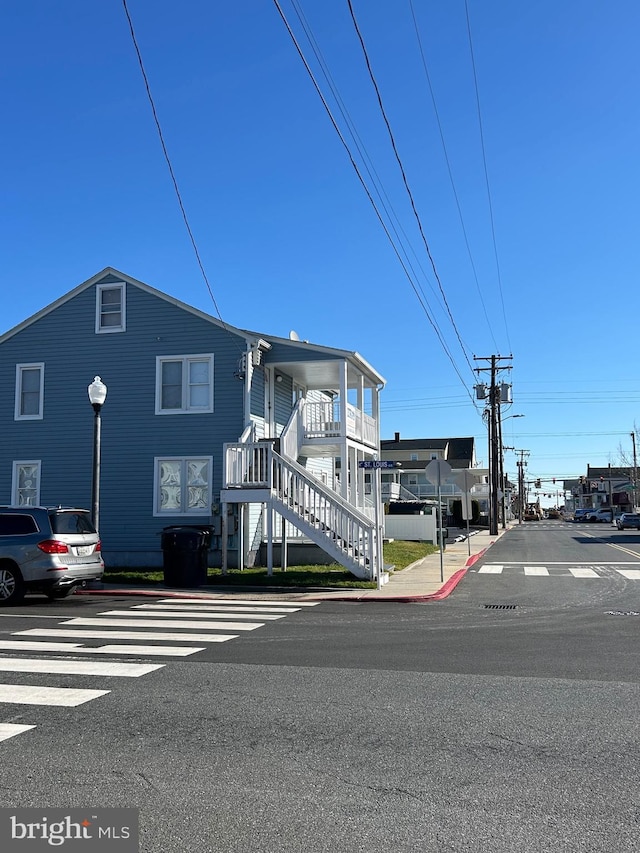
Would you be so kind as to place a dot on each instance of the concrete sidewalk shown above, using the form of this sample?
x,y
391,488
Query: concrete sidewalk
x,y
429,579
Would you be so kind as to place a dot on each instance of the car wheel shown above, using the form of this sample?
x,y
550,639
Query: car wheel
x,y
11,584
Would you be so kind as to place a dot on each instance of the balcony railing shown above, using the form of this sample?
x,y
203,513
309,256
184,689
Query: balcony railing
x,y
322,420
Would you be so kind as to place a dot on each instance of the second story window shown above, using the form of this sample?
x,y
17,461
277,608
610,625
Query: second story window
x,y
29,392
110,308
184,384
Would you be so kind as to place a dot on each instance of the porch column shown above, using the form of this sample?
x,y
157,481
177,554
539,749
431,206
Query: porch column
x,y
269,512
375,411
358,498
241,522
343,398
283,545
223,537
248,376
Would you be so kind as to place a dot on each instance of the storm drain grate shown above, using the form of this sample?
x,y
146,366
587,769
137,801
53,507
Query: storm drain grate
x,y
500,606
622,613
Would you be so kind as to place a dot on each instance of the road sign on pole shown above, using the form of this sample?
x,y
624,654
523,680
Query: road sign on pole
x,y
377,463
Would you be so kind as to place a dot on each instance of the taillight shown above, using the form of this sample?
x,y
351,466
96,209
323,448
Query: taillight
x,y
53,546
98,546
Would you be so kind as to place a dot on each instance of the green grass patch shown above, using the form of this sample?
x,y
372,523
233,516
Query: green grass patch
x,y
295,576
398,554
401,554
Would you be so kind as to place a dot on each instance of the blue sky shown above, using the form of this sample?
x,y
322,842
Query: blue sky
x,y
542,264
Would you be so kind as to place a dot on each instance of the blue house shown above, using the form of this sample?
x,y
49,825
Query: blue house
x,y
259,437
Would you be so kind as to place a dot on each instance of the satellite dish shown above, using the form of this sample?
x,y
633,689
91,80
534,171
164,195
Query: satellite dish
x,y
293,336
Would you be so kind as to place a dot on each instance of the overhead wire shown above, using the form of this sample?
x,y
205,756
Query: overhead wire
x,y
486,173
405,180
169,165
450,172
368,192
386,204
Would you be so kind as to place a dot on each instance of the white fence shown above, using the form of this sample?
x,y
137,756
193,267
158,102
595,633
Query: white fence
x,y
418,528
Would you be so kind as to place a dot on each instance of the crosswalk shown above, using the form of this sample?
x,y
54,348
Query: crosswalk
x,y
170,628
562,570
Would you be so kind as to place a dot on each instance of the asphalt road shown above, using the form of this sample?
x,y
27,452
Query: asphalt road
x,y
504,718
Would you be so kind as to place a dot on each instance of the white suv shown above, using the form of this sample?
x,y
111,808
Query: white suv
x,y
49,550
599,515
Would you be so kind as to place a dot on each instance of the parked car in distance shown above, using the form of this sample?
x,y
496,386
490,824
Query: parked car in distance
x,y
49,550
601,514
628,521
580,514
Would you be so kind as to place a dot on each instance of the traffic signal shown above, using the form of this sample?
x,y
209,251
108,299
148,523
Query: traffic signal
x,y
538,483
553,481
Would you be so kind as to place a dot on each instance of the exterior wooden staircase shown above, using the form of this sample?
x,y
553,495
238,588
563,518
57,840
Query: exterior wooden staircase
x,y
255,472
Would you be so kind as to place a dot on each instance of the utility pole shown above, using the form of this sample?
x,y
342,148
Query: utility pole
x,y
635,471
495,449
521,495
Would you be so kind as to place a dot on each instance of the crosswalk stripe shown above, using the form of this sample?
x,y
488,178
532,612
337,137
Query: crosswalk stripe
x,y
163,623
630,574
584,573
536,571
168,636
207,608
78,667
8,730
254,602
76,648
22,694
190,615
490,570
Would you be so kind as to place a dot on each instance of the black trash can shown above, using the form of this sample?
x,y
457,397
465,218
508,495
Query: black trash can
x,y
185,552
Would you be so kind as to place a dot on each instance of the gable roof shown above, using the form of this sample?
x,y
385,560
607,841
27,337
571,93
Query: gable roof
x,y
251,337
119,276
459,449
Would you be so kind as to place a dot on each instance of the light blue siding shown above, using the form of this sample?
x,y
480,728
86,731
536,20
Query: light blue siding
x,y
132,434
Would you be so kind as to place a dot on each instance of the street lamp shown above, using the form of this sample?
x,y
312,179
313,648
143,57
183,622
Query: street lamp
x,y
97,395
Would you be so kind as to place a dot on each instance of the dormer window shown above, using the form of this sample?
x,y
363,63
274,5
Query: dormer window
x,y
110,308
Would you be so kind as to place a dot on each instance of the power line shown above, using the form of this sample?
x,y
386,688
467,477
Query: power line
x,y
368,194
376,182
486,171
404,179
450,172
168,162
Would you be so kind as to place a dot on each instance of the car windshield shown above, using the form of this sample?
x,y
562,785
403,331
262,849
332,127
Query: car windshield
x,y
71,522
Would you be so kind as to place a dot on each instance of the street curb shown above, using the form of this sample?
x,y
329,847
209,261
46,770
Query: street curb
x,y
445,590
475,557
151,593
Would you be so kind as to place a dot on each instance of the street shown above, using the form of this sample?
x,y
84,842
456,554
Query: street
x,y
503,718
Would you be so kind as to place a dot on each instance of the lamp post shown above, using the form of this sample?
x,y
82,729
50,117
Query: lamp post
x,y
97,395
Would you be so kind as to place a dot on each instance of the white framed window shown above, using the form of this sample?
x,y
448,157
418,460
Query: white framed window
x,y
25,483
413,457
182,485
434,456
111,308
29,392
184,384
413,479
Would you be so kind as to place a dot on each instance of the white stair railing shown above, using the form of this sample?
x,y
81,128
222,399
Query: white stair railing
x,y
321,514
